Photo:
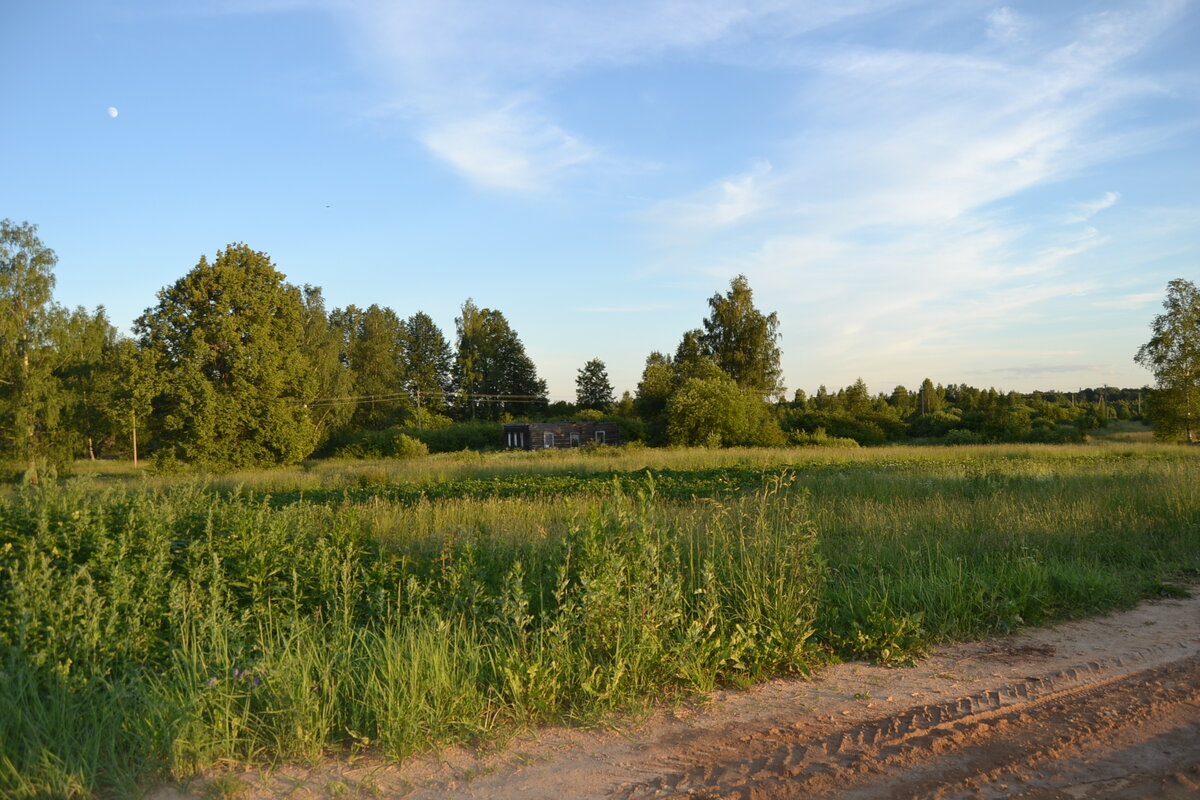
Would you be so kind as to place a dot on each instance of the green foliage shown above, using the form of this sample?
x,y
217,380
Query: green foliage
x,y
479,436
653,391
84,342
961,436
868,428
374,353
175,632
324,345
961,415
592,389
152,632
30,398
1173,354
819,438
930,399
227,340
428,361
742,341
390,443
491,360
693,359
715,412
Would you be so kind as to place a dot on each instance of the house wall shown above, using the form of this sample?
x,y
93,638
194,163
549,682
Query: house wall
x,y
558,435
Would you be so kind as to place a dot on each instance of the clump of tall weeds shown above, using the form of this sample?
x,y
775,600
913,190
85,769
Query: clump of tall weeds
x,y
163,632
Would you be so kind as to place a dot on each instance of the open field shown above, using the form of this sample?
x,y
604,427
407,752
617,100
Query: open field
x,y
155,626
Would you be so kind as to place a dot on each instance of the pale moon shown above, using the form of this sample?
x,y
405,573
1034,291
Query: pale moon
x,y
112,112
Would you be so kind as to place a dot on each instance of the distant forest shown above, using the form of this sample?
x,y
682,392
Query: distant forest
x,y
234,367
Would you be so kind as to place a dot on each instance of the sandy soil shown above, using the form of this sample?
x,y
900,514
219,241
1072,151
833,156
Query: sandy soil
x,y
1100,708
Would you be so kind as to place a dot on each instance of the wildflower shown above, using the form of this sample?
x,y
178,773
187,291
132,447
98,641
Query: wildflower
x,y
212,681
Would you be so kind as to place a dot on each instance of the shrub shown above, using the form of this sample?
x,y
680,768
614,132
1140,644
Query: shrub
x,y
390,443
461,436
715,412
819,438
962,436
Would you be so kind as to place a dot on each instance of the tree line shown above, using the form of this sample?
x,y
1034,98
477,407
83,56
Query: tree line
x,y
235,367
232,367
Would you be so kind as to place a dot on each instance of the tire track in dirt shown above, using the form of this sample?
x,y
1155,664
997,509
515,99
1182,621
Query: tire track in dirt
x,y
1102,707
988,743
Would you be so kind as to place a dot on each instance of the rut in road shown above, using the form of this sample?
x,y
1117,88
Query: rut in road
x,y
954,748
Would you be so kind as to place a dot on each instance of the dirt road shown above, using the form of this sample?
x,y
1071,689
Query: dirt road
x,y
1101,708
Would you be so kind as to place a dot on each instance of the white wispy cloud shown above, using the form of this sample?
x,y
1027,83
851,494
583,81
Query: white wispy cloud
x,y
507,148
900,189
1006,25
1085,211
471,76
882,217
1135,300
724,202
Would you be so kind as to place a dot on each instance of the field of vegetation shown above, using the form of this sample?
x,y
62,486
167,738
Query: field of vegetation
x,y
152,626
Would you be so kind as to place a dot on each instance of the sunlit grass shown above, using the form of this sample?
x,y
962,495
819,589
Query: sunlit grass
x,y
154,625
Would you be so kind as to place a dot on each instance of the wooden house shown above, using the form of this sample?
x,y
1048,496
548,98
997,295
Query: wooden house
x,y
558,435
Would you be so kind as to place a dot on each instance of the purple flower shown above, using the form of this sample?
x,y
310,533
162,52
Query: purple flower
x,y
212,681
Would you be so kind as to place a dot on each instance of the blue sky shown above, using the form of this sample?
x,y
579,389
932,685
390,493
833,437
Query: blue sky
x,y
974,192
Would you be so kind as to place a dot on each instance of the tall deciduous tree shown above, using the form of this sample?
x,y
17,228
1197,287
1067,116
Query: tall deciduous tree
x,y
332,384
592,388
429,361
375,354
29,397
694,359
1173,354
929,399
227,337
84,342
491,361
742,340
653,391
127,384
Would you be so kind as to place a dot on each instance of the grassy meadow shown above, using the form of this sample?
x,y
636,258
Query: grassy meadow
x,y
155,626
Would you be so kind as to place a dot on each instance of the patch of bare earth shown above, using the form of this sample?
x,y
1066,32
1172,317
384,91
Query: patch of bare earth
x,y
1100,708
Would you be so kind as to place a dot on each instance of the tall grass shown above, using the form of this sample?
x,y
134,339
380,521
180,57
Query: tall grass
x,y
167,632
154,629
